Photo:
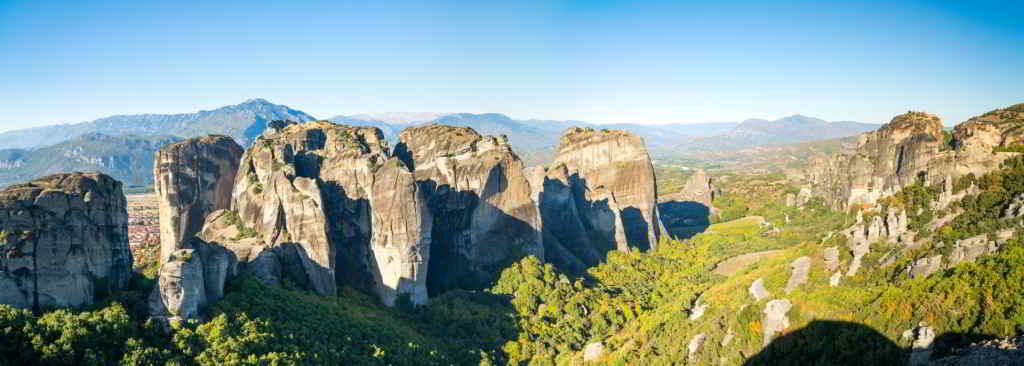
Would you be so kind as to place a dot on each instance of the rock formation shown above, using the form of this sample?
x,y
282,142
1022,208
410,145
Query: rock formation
x,y
687,212
63,237
801,268
890,227
181,289
401,234
484,215
317,204
913,148
192,179
775,318
831,258
758,291
598,195
695,344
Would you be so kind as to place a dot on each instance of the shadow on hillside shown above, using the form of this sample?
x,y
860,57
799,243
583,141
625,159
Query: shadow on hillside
x,y
684,219
829,342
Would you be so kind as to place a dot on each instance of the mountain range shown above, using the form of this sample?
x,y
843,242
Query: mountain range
x,y
28,153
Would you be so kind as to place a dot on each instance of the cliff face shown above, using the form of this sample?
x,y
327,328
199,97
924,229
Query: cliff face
x,y
598,195
913,148
318,204
193,178
687,212
62,237
484,216
311,187
896,155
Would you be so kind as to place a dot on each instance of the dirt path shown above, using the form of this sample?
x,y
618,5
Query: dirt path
x,y
732,265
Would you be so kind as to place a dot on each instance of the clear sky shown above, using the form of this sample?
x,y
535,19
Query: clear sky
x,y
600,61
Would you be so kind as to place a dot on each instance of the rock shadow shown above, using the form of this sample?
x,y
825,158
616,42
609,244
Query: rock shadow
x,y
459,261
684,219
349,227
831,342
579,232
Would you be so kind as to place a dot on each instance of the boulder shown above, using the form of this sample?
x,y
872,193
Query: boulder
x,y
593,351
835,279
775,319
831,258
193,178
698,309
484,215
800,269
599,195
63,238
695,344
758,291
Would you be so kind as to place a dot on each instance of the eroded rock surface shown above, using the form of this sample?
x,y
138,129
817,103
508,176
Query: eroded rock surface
x,y
687,212
599,195
61,237
192,179
912,148
401,234
800,270
484,215
775,318
758,291
180,291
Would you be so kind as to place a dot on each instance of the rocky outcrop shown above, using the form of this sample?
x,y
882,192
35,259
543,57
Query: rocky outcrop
x,y
775,318
318,204
306,187
923,267
891,227
912,148
687,212
995,352
800,270
758,291
593,351
970,249
920,339
695,345
883,162
598,195
181,288
63,238
484,215
831,258
192,179
401,234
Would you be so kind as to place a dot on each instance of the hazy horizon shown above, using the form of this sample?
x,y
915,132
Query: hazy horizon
x,y
600,62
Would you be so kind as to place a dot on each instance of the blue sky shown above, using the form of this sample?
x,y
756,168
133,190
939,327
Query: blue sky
x,y
600,61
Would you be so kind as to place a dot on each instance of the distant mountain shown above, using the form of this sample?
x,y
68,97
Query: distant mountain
x,y
787,130
243,122
534,139
126,158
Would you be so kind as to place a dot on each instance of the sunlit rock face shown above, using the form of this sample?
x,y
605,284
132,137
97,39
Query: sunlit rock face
x,y
401,235
193,178
63,238
484,216
597,196
913,148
